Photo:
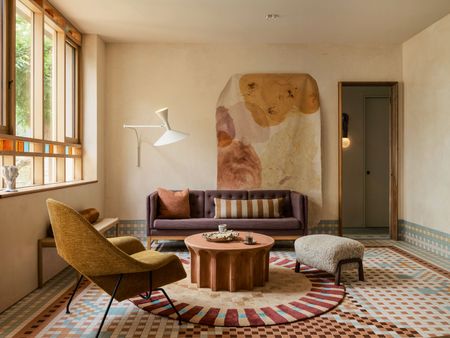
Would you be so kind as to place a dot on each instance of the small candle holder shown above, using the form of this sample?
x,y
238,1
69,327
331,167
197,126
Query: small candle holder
x,y
249,238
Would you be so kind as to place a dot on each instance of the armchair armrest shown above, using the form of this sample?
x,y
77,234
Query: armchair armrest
x,y
152,209
130,245
300,209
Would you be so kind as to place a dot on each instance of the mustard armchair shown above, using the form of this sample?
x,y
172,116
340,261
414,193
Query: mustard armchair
x,y
120,266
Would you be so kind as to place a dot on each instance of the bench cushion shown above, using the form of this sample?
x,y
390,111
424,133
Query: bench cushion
x,y
234,224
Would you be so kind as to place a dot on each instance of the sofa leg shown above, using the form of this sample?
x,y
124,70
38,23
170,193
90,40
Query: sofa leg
x,y
297,266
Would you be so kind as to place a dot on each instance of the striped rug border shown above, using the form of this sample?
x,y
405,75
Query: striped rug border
x,y
323,297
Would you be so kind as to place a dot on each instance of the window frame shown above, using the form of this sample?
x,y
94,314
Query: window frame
x,y
7,69
56,72
3,48
37,147
76,119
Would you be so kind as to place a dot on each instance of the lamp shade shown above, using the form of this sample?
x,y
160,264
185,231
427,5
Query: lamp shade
x,y
170,136
163,114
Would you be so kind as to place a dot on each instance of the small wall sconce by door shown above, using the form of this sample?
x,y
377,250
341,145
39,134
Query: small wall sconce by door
x,y
169,136
345,140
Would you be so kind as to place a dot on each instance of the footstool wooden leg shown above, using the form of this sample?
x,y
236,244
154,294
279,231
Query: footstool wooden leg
x,y
297,266
361,271
346,261
337,278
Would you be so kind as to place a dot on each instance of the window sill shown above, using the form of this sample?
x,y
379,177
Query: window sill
x,y
42,188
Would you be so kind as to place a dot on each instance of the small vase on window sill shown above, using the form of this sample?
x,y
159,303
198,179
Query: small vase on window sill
x,y
10,173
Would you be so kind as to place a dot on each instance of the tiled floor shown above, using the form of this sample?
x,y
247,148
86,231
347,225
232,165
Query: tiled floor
x,y
406,293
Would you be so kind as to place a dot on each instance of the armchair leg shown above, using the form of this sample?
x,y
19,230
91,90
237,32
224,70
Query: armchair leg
x,y
109,305
73,294
148,295
171,304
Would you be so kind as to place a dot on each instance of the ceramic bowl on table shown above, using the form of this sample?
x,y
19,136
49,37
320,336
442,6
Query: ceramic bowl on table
x,y
226,236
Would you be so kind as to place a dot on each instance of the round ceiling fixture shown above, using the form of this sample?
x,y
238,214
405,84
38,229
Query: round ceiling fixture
x,y
272,16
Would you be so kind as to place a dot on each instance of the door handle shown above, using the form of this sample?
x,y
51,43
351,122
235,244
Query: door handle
x,y
368,172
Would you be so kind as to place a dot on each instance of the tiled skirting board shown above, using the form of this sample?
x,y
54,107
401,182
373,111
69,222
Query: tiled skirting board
x,y
138,228
423,237
325,226
418,235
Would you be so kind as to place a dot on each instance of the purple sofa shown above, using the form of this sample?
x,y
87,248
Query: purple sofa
x,y
292,225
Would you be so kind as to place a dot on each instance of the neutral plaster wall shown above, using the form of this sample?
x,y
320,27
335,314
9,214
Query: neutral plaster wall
x,y
24,218
93,73
425,188
188,78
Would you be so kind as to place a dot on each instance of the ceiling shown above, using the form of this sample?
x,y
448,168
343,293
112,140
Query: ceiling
x,y
234,21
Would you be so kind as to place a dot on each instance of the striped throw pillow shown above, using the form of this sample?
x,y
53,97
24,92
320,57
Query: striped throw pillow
x,y
256,208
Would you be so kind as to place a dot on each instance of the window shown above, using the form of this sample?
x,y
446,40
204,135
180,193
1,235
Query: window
x,y
25,165
70,169
49,170
39,132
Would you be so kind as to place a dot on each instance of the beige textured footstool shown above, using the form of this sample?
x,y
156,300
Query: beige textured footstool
x,y
329,253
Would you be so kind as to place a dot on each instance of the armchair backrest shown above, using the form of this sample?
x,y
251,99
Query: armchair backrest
x,y
82,246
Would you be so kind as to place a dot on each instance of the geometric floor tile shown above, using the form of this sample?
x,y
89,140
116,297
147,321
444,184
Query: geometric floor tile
x,y
403,295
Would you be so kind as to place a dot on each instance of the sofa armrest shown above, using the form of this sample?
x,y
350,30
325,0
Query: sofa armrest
x,y
152,209
300,209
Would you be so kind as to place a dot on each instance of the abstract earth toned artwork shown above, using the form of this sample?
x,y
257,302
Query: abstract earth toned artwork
x,y
268,135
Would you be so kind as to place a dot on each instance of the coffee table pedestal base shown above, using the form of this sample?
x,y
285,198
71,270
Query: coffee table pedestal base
x,y
229,270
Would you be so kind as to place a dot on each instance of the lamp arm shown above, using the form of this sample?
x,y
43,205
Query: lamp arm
x,y
138,140
135,127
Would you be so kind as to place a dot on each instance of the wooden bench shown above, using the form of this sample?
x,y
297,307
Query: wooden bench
x,y
49,242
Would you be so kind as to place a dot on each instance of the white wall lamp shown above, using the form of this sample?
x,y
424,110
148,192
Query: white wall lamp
x,y
345,139
169,136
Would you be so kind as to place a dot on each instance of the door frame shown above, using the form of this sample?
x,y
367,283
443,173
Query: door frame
x,y
393,152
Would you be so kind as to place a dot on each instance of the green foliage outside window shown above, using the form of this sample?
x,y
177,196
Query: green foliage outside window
x,y
24,58
49,109
24,45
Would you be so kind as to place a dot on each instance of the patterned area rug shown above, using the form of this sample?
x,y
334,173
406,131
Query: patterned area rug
x,y
285,298
403,296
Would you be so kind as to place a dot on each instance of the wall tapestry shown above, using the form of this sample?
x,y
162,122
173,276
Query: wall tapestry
x,y
268,135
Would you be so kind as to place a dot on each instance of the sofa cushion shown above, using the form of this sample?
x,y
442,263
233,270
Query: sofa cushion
x,y
197,203
173,204
284,194
210,224
251,208
225,194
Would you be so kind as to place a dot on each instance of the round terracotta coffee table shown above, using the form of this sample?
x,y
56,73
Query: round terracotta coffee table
x,y
229,266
